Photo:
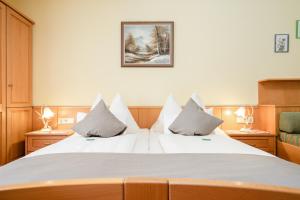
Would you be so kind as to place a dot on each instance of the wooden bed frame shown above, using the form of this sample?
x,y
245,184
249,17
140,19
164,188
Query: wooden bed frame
x,y
146,189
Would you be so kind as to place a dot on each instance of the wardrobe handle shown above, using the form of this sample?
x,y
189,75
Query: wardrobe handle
x,y
10,85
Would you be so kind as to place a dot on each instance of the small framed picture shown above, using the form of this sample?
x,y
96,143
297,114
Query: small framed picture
x,y
298,29
281,43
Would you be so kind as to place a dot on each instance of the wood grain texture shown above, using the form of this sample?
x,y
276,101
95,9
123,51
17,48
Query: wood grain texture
x,y
19,60
36,140
101,189
279,92
3,83
6,3
189,189
145,116
19,122
146,189
288,152
263,142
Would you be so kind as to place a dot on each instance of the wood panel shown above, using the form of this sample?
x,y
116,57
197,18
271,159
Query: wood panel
x,y
288,152
104,189
146,189
3,83
19,122
192,189
279,92
227,114
145,116
19,60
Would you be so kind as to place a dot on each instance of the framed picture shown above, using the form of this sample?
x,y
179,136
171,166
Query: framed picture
x,y
147,44
298,29
281,43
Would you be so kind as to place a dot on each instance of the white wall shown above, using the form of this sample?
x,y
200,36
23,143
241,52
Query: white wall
x,y
221,49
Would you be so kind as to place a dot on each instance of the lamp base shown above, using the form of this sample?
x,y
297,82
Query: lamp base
x,y
46,129
245,129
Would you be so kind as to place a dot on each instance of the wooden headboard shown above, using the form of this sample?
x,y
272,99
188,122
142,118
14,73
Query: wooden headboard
x,y
145,116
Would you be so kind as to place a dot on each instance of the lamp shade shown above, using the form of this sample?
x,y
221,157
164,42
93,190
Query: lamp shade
x,y
241,112
47,113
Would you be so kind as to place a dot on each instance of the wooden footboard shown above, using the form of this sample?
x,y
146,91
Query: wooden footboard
x,y
146,189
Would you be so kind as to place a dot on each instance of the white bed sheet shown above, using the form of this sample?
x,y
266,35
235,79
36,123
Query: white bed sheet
x,y
145,142
213,143
126,143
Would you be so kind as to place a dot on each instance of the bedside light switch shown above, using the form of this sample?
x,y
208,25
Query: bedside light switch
x,y
65,120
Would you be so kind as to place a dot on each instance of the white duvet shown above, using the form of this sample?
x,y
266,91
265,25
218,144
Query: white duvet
x,y
145,142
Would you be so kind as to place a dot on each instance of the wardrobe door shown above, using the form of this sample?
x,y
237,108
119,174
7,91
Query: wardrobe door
x,y
19,60
3,83
19,122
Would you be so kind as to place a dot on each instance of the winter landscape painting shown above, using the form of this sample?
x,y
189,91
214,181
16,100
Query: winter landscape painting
x,y
147,44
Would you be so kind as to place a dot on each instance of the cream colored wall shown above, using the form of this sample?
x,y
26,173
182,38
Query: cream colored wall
x,y
221,49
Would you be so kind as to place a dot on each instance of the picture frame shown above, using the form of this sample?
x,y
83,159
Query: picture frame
x,y
298,29
147,44
281,44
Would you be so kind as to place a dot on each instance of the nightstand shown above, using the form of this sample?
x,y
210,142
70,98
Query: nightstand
x,y
37,139
260,139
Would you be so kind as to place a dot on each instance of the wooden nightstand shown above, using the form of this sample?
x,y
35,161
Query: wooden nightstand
x,y
36,140
260,139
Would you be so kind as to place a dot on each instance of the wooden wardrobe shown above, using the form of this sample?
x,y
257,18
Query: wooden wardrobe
x,y
16,81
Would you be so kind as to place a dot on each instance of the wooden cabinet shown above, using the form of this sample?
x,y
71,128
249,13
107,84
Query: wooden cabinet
x,y
19,50
261,140
37,139
19,122
16,81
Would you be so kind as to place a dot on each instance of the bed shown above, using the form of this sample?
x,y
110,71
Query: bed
x,y
156,157
150,165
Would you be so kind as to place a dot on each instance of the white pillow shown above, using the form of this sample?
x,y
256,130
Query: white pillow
x,y
167,115
96,101
121,111
80,116
198,100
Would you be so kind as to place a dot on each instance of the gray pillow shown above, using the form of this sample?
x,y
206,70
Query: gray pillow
x,y
100,122
194,121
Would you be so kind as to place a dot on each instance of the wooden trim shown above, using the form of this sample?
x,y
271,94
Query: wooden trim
x,y
147,188
288,152
106,189
193,189
3,84
145,116
16,10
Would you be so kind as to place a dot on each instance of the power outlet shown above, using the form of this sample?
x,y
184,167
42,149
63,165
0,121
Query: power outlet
x,y
241,120
65,120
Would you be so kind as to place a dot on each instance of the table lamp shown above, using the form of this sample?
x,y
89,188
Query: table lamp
x,y
45,115
245,118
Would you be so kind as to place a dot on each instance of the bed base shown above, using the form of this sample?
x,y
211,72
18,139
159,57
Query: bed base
x,y
288,152
146,189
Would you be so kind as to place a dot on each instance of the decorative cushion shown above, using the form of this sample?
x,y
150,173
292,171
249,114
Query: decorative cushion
x,y
290,122
100,122
193,120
